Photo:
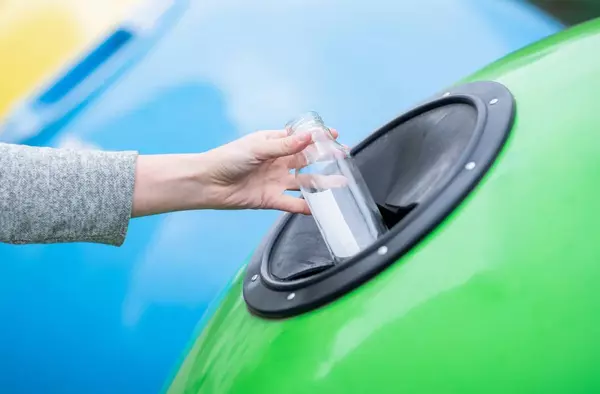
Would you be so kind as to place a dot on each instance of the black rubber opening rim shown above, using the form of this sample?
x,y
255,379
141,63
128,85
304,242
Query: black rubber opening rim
x,y
268,297
481,111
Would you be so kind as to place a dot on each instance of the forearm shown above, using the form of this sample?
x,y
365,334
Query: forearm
x,y
169,183
54,195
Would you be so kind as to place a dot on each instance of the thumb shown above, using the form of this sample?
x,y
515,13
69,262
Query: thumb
x,y
286,146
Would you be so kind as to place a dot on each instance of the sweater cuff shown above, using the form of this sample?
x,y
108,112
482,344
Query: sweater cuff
x,y
60,195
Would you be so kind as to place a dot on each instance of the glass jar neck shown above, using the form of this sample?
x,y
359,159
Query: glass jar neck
x,y
310,122
324,146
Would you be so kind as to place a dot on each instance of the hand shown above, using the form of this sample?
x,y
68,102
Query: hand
x,y
253,172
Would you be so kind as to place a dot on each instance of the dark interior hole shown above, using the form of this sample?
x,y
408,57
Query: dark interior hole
x,y
402,168
391,217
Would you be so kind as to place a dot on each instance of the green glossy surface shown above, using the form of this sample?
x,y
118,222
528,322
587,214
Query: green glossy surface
x,y
502,298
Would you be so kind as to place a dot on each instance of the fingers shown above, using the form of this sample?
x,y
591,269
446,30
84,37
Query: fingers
x,y
274,134
296,161
291,183
291,204
283,133
278,144
286,146
321,182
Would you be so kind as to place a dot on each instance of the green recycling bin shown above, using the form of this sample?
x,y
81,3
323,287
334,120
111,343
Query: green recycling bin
x,y
488,278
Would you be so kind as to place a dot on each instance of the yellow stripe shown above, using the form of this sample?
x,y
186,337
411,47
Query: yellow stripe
x,y
37,37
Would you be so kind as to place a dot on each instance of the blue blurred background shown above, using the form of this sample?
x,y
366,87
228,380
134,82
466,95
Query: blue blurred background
x,y
179,76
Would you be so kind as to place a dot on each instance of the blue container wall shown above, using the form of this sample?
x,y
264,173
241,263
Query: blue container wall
x,y
98,319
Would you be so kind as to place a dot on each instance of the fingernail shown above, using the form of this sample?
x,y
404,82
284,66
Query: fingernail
x,y
303,137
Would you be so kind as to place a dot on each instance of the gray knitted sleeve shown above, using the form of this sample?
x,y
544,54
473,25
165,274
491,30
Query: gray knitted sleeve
x,y
52,195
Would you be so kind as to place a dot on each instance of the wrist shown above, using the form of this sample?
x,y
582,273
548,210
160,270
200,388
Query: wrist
x,y
206,192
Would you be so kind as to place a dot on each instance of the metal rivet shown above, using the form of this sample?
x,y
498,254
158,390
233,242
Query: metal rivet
x,y
382,250
493,101
291,296
254,277
446,94
470,165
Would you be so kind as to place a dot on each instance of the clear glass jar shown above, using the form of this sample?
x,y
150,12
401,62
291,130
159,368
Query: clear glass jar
x,y
335,191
